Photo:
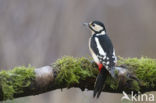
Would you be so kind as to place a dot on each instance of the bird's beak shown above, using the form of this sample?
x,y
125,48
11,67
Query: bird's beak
x,y
85,24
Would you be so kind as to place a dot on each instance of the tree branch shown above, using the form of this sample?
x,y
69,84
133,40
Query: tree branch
x,y
132,74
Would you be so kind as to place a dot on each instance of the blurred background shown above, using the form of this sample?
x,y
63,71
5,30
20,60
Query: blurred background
x,y
38,32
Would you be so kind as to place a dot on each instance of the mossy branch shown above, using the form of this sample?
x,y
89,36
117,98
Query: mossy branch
x,y
70,72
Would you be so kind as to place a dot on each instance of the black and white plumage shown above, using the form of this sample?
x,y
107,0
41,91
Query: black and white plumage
x,y
101,46
103,53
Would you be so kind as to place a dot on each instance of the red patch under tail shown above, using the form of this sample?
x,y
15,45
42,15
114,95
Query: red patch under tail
x,y
100,66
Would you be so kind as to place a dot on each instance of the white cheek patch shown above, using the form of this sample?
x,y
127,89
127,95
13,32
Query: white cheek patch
x,y
98,27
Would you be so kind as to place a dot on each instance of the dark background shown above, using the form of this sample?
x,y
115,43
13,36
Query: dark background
x,y
37,32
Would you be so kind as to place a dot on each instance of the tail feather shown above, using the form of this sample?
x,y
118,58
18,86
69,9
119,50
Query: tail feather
x,y
99,84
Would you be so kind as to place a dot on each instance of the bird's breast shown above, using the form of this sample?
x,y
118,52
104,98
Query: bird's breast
x,y
92,53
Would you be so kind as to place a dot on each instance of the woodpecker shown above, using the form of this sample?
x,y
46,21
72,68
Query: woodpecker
x,y
103,53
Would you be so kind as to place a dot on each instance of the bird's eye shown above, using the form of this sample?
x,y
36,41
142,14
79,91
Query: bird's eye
x,y
93,24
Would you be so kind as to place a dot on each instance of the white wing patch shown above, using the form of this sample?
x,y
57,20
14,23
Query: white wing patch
x,y
115,58
101,51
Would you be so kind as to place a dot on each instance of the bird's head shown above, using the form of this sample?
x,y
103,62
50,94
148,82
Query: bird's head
x,y
96,27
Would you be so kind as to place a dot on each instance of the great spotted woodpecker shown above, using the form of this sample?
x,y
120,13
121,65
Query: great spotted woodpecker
x,y
103,53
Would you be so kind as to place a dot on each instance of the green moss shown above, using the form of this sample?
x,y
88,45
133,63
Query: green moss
x,y
14,80
111,83
144,68
135,86
71,70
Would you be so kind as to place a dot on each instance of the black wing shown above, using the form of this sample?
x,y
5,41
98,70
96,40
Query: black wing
x,y
109,59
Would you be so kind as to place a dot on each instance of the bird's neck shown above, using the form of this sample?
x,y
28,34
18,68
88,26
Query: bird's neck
x,y
103,32
99,33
